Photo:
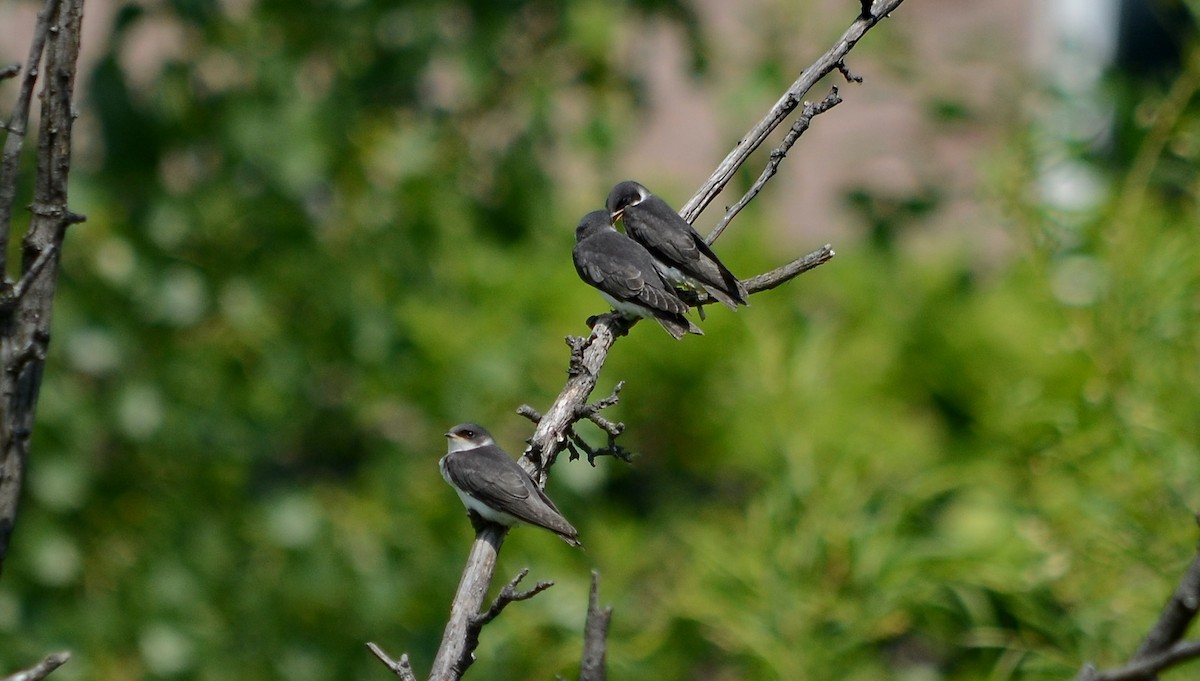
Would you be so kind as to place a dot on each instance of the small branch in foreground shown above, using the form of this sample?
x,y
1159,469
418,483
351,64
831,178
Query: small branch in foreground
x,y
9,71
507,595
1177,615
1162,647
777,155
42,669
595,635
1145,668
402,668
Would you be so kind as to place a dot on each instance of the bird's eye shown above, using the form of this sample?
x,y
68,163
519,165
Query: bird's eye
x,y
467,432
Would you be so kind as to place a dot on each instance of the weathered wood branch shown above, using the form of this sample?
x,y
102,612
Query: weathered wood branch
x,y
42,669
833,59
554,432
595,636
1163,647
26,305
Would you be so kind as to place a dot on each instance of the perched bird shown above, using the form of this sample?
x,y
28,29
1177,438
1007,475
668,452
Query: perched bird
x,y
625,274
495,486
681,253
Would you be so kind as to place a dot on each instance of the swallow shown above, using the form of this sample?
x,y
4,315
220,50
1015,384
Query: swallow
x,y
680,252
626,275
493,484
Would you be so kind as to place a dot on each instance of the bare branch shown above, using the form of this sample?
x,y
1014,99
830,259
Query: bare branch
x,y
595,636
1162,647
507,595
845,71
16,127
468,601
777,155
402,668
1143,668
1176,616
42,669
554,431
783,108
25,316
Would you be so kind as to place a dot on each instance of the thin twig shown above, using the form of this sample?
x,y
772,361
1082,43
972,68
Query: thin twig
x,y
477,621
508,594
17,125
776,277
595,635
783,108
846,73
42,669
402,668
777,155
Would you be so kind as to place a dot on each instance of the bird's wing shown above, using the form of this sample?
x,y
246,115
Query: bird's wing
x,y
489,475
660,229
624,270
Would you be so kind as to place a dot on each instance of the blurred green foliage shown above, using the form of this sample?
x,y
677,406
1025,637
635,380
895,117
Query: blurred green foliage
x,y
320,234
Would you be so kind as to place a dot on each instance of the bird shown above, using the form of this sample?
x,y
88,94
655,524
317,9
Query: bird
x,y
626,275
492,484
682,254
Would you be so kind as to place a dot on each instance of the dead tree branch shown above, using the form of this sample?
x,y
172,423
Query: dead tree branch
x,y
595,636
1162,648
752,140
42,669
402,668
25,312
777,155
554,432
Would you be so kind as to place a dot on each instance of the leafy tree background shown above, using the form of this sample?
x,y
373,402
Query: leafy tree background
x,y
319,234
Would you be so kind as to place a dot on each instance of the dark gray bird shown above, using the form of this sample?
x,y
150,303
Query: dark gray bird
x,y
680,252
495,486
625,274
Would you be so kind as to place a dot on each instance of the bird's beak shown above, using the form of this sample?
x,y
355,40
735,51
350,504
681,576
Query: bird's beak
x,y
448,435
617,216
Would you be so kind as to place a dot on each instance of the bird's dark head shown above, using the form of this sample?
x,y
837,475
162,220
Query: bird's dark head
x,y
593,223
622,196
467,436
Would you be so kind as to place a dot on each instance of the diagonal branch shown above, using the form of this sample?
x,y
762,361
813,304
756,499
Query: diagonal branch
x,y
777,155
1176,616
783,108
1162,647
402,668
42,669
554,430
1145,667
507,595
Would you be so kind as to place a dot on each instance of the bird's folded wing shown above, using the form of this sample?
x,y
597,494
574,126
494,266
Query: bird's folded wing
x,y
500,485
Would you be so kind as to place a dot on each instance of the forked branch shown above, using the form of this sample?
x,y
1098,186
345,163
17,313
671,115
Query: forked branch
x,y
555,427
